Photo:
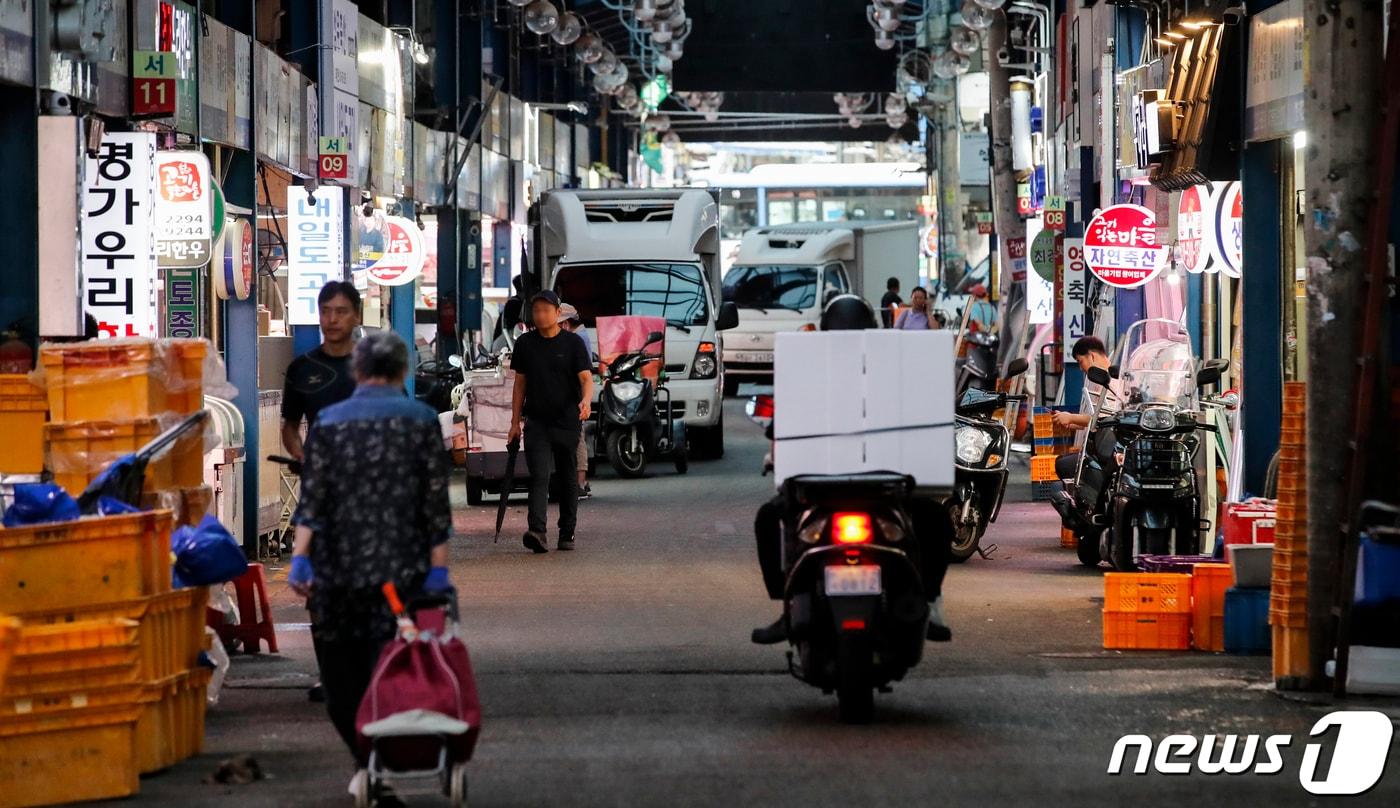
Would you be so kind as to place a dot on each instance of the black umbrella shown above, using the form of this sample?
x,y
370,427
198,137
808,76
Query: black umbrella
x,y
512,452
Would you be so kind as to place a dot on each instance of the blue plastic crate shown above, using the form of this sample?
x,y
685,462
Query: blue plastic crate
x,y
1247,621
1377,572
1042,491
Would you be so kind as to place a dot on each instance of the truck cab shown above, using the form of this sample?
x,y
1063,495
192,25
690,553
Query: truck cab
x,y
651,252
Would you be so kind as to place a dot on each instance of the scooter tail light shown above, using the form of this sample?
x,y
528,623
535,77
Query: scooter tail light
x,y
853,625
852,528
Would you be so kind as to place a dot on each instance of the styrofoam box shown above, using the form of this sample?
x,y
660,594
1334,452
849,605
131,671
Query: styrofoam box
x,y
1373,670
858,401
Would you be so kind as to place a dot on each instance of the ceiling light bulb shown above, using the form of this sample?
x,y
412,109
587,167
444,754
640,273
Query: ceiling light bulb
x,y
606,63
659,123
519,3
884,40
990,5
675,51
589,48
661,32
420,53
569,29
895,103
976,16
541,17
645,10
965,41
671,139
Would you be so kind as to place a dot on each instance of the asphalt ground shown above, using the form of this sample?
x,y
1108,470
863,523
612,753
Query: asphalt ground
x,y
622,675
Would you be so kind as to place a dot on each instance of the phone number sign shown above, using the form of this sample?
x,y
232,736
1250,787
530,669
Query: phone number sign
x,y
1120,246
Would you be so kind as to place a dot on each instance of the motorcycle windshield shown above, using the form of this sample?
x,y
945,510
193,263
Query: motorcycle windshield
x,y
1157,366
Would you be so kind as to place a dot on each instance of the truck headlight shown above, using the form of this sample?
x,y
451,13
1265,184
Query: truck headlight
x,y
972,444
627,391
705,365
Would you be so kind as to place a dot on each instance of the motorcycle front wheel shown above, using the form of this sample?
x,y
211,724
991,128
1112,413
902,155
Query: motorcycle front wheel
x,y
626,453
1087,546
966,535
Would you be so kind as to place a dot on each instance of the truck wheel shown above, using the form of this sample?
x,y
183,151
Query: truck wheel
x,y
731,386
474,490
707,443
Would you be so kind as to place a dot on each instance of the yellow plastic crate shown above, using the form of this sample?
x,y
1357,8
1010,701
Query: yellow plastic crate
x,y
60,658
1147,592
22,411
1208,585
186,375
171,726
71,755
104,380
9,631
68,565
78,452
169,633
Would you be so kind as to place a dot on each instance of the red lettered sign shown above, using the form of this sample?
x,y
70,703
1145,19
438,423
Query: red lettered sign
x,y
152,96
335,166
403,256
1120,246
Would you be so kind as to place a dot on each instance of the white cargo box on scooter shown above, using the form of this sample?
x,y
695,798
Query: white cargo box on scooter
x,y
861,401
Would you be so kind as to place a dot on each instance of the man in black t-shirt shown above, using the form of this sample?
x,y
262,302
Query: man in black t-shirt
x,y
554,392
889,301
322,376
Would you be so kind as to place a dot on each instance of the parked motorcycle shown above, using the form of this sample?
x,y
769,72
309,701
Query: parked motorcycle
x,y
981,445
434,381
978,369
630,430
854,599
1149,502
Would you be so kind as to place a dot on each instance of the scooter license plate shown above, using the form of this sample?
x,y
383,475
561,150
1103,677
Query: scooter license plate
x,y
857,580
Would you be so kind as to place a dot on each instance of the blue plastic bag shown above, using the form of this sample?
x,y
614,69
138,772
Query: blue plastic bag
x,y
206,554
36,503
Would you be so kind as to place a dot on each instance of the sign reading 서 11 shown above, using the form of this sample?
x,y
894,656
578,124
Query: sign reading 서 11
x,y
1120,246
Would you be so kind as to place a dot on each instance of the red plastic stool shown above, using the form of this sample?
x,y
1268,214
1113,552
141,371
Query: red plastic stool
x,y
254,613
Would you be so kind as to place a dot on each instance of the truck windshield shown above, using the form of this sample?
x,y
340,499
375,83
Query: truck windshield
x,y
771,287
673,291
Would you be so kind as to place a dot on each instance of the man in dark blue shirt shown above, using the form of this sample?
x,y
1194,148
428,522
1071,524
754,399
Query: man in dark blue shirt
x,y
554,392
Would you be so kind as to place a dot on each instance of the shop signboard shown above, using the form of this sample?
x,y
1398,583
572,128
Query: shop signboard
x,y
1274,81
1044,248
1016,256
315,248
1194,222
1120,246
1024,206
153,75
335,158
984,223
1229,230
118,235
233,275
404,252
1040,287
339,70
1053,214
184,209
1075,295
184,303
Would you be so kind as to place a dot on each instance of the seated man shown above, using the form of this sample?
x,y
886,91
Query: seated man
x,y
1089,352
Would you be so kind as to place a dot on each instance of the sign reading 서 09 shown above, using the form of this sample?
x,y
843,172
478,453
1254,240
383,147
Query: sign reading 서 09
x,y
1120,246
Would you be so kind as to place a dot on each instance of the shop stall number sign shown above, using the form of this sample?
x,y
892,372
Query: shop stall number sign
x,y
315,248
1120,246
335,158
1054,213
153,78
1023,199
403,256
1075,291
984,224
118,235
184,209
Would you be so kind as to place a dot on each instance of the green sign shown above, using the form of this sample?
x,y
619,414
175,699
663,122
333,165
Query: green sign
x,y
654,92
651,152
184,301
1043,255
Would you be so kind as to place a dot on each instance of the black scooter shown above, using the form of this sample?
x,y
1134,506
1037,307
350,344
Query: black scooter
x,y
629,429
978,369
981,447
854,599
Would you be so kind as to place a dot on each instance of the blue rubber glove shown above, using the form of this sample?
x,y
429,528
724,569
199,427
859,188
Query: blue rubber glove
x,y
301,575
437,581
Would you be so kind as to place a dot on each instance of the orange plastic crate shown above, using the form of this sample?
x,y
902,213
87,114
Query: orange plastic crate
x,y
1294,509
73,657
62,565
71,755
1147,592
78,452
1290,652
170,627
1292,452
1043,468
186,375
1208,585
1295,391
9,630
1137,630
22,411
1068,540
171,726
105,380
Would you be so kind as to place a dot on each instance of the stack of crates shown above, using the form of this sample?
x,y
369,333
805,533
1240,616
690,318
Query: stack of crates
x,y
1288,607
1051,441
23,410
1209,583
1147,611
103,677
109,398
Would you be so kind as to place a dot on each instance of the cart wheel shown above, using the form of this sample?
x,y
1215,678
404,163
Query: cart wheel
x,y
360,787
457,792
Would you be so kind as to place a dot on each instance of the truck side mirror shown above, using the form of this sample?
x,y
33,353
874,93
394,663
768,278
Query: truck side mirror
x,y
728,317
655,337
1099,376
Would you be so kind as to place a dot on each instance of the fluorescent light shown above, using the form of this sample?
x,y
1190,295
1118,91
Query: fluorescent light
x,y
1300,139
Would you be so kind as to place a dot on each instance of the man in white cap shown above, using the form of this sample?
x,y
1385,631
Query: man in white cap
x,y
569,319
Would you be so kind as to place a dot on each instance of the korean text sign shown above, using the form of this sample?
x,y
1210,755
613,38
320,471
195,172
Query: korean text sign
x,y
119,235
184,209
1076,295
315,248
1120,246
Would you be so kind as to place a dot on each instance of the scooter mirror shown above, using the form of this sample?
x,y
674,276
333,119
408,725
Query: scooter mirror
x,y
1099,376
1207,375
655,336
1114,371
1016,368
454,360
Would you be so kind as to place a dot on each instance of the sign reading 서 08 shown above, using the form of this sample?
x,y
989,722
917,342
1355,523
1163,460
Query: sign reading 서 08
x,y
1120,246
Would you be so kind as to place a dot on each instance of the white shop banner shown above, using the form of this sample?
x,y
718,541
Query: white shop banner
x,y
119,235
340,72
315,248
1076,295
184,209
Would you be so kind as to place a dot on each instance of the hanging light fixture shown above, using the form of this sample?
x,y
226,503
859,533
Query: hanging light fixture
x,y
950,64
990,5
896,119
645,10
520,3
975,16
895,102
569,29
659,123
606,63
884,40
541,17
965,41
589,48
882,18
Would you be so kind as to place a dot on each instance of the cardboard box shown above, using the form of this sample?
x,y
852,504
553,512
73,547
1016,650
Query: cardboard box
x,y
860,401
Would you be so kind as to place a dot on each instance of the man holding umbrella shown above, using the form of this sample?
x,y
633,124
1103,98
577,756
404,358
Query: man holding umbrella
x,y
553,392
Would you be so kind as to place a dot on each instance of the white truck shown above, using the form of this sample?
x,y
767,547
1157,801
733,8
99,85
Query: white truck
x,y
784,276
649,252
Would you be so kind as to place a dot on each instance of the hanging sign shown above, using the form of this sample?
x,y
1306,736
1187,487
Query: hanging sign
x,y
984,224
1023,199
1043,252
1053,214
1229,230
184,209
1075,294
1016,256
1195,222
403,256
153,75
118,235
928,242
184,303
315,248
334,161
1120,246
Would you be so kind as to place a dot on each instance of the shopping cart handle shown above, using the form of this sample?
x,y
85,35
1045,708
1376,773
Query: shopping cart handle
x,y
293,465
